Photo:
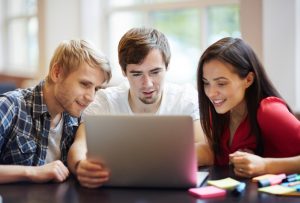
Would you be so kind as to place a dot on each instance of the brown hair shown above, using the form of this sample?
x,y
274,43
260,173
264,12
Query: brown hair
x,y
136,43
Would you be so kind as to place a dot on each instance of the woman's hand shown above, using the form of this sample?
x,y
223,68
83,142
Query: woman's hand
x,y
248,164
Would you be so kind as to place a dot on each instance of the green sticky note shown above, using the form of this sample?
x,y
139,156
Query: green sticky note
x,y
277,189
226,183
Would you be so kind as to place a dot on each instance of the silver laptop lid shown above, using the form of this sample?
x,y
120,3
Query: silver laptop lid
x,y
144,150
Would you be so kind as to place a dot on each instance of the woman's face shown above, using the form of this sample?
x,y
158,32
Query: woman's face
x,y
224,88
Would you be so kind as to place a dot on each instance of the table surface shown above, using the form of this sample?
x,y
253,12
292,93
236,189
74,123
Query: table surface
x,y
71,191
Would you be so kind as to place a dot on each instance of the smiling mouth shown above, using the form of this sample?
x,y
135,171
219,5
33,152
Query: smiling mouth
x,y
218,102
82,105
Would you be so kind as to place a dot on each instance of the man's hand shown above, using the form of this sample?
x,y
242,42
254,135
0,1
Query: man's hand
x,y
55,171
91,174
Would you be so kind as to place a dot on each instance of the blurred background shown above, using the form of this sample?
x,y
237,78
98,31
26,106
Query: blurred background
x,y
30,30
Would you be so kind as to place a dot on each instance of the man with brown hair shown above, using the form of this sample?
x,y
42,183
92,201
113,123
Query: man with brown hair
x,y
144,56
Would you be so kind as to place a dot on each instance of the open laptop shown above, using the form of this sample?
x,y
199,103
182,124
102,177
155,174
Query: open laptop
x,y
145,150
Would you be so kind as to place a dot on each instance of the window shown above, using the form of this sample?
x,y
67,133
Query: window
x,y
19,37
190,26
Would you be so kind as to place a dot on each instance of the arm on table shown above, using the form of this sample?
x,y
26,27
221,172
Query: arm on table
x,y
55,171
280,131
89,173
283,165
249,165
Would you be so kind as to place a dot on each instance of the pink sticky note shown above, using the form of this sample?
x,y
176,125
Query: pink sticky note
x,y
266,176
207,192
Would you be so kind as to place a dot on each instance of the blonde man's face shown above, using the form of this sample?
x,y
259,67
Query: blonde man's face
x,y
75,91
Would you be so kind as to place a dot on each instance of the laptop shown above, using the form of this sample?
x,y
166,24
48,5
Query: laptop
x,y
145,150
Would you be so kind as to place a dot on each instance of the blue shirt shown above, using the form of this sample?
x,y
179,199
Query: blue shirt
x,y
25,126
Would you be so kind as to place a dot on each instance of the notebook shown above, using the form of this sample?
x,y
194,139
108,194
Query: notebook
x,y
145,150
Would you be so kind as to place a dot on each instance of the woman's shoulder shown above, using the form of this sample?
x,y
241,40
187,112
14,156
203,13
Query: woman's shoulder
x,y
272,105
272,100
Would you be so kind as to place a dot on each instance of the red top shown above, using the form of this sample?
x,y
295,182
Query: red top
x,y
280,130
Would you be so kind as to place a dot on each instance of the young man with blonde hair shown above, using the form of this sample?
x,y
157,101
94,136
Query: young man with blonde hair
x,y
38,125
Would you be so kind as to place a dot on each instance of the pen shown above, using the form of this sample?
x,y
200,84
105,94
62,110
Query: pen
x,y
288,177
292,179
271,181
239,189
294,183
297,188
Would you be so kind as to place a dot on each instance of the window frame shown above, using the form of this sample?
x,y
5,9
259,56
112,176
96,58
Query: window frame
x,y
5,64
149,7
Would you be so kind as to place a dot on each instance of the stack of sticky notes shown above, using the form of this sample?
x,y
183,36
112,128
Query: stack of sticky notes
x,y
207,192
276,189
218,188
279,184
262,177
226,183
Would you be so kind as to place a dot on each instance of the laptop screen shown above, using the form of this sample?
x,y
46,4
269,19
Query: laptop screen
x,y
144,150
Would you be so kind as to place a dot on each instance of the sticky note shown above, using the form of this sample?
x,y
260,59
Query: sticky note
x,y
263,177
207,192
277,189
226,183
296,194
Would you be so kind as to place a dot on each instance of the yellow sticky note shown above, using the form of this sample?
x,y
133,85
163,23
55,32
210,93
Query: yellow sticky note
x,y
277,189
262,177
226,183
295,194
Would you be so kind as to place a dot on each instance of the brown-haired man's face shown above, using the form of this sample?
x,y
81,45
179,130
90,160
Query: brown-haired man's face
x,y
147,79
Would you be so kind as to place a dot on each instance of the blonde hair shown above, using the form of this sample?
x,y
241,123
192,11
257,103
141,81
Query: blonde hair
x,y
70,54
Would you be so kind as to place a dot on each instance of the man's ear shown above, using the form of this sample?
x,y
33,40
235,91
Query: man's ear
x,y
250,79
56,73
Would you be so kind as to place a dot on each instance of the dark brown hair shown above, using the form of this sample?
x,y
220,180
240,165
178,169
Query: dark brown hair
x,y
242,58
136,43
